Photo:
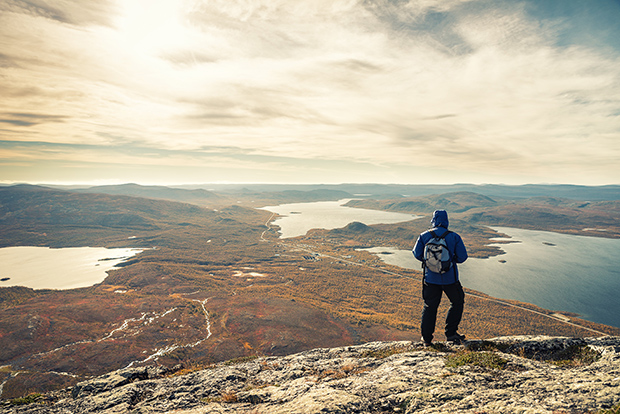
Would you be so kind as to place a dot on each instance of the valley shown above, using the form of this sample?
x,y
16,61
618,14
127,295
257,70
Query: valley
x,y
215,282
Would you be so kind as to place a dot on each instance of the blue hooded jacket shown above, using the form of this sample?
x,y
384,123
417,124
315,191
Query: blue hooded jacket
x,y
439,225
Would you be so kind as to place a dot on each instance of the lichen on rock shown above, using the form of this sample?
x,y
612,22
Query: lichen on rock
x,y
500,375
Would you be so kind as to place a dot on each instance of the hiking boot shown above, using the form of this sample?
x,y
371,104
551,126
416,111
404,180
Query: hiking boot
x,y
456,338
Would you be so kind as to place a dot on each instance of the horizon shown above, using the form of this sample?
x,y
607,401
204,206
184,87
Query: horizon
x,y
224,183
318,91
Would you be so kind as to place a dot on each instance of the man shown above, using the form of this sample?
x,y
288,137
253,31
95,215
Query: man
x,y
437,283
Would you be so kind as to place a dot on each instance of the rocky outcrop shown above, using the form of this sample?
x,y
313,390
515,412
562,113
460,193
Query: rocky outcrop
x,y
502,375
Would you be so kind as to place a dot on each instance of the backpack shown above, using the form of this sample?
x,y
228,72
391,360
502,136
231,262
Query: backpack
x,y
437,257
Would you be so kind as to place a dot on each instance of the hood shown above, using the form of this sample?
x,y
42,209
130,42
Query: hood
x,y
440,219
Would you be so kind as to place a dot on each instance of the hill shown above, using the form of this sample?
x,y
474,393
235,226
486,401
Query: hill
x,y
39,216
456,202
158,192
203,197
507,375
591,218
215,284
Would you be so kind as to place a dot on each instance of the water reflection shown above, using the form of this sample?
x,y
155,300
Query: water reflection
x,y
297,218
68,268
563,272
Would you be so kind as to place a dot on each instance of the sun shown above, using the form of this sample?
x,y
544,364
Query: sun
x,y
154,27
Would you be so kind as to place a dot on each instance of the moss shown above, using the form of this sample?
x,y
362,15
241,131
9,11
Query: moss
x,y
386,352
614,410
28,399
487,346
239,360
572,356
484,359
575,355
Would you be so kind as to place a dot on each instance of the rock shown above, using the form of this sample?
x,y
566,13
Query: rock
x,y
116,379
536,375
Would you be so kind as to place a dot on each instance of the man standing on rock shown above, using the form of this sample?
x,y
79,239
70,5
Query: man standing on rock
x,y
441,276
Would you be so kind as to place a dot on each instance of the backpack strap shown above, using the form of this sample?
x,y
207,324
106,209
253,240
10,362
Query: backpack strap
x,y
452,258
443,236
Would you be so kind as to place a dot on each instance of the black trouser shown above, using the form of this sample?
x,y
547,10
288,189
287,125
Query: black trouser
x,y
432,297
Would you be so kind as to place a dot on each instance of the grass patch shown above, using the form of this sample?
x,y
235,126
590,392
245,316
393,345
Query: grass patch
x,y
575,356
614,410
343,372
572,356
487,346
484,359
28,399
191,368
240,360
228,397
386,352
438,347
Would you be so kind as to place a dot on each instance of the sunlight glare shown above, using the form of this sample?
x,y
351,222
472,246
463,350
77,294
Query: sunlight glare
x,y
154,27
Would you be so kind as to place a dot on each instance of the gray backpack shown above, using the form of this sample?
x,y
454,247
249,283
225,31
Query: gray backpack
x,y
437,257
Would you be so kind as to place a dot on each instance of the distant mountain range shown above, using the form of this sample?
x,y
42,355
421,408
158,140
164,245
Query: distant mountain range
x,y
196,192
203,196
159,192
576,192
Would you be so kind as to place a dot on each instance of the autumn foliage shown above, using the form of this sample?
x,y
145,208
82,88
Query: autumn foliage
x,y
215,284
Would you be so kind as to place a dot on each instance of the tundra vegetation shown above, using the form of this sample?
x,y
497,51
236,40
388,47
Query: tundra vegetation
x,y
215,283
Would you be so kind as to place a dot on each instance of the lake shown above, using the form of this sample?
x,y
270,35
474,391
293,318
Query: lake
x,y
555,271
68,268
297,218
579,274
561,272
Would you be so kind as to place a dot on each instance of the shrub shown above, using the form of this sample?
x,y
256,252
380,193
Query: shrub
x,y
229,397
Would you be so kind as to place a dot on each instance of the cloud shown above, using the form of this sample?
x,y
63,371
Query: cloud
x,y
463,85
76,12
29,119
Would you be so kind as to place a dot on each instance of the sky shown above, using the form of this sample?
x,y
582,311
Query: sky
x,y
310,91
